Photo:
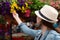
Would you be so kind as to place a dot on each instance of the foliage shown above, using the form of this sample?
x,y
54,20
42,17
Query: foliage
x,y
2,21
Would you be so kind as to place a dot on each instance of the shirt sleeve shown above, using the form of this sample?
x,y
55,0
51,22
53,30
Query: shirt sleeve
x,y
57,37
27,30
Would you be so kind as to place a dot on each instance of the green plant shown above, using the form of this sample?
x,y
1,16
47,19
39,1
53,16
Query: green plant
x,y
2,21
36,5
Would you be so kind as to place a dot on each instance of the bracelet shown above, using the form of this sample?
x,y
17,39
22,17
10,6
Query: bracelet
x,y
55,25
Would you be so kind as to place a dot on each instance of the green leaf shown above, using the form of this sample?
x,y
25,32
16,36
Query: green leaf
x,y
2,21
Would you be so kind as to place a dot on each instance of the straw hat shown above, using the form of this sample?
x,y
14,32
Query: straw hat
x,y
48,13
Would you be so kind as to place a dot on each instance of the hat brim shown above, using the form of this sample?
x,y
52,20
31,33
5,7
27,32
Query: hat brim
x,y
37,13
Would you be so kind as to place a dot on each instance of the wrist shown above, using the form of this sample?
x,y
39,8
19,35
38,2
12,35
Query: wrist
x,y
18,21
17,18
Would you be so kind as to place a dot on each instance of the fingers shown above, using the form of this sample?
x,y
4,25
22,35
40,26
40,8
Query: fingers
x,y
15,15
14,12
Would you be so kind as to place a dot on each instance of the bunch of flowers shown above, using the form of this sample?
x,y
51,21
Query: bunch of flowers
x,y
23,6
27,7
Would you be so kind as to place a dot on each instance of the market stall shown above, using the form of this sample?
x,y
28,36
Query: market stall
x,y
25,9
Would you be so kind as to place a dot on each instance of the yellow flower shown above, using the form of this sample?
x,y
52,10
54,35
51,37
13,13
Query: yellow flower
x,y
23,9
26,4
12,10
20,8
14,5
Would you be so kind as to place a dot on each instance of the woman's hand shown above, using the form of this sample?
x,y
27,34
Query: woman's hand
x,y
16,17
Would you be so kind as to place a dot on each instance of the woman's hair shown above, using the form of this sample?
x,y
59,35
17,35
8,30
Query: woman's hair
x,y
58,19
48,24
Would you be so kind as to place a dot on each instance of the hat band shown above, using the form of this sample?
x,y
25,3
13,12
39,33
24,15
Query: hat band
x,y
44,16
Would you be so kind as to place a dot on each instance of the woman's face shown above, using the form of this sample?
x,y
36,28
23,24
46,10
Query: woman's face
x,y
39,20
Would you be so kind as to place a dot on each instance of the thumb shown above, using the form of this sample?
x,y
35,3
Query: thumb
x,y
14,12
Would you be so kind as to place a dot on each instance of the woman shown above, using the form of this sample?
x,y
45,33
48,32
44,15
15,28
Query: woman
x,y
48,16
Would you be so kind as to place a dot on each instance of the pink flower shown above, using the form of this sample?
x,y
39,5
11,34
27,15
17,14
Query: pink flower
x,y
27,13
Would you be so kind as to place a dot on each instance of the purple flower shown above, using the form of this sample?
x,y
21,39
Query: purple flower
x,y
5,8
21,2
